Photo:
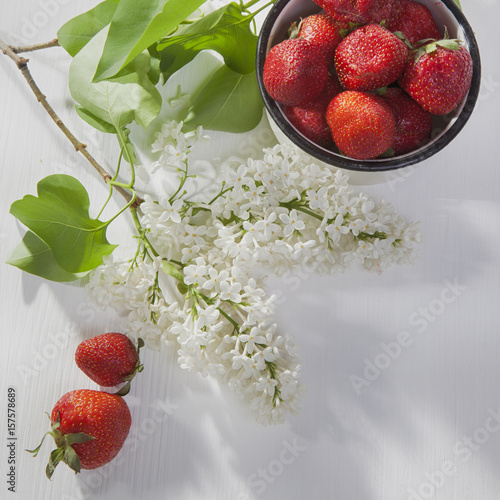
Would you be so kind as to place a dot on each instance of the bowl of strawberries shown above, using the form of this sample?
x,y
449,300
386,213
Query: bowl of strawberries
x,y
368,85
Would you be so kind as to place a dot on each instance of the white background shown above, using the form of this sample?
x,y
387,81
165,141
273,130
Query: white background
x,y
419,425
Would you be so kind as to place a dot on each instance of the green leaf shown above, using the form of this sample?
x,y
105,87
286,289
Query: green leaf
x,y
107,128
135,26
171,270
72,459
225,30
55,457
430,48
125,143
60,217
458,3
34,256
129,96
155,60
95,121
448,44
78,437
229,102
77,32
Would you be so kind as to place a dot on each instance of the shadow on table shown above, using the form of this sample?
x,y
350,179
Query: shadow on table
x,y
191,436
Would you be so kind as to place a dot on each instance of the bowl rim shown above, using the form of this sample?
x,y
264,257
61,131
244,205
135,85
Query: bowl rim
x,y
378,165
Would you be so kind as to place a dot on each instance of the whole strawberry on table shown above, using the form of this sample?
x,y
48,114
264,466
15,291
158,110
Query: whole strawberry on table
x,y
367,76
110,359
89,427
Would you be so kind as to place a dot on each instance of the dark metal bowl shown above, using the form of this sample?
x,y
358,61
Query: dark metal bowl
x,y
274,30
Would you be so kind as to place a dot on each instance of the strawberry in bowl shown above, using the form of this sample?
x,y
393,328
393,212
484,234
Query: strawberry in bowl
x,y
376,56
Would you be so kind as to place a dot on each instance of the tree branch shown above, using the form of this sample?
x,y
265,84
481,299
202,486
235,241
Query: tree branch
x,y
37,46
22,65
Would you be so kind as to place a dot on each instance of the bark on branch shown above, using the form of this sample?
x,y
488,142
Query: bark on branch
x,y
37,46
22,64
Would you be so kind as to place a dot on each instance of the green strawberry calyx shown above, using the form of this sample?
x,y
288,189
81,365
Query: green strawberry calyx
x,y
139,367
64,451
430,45
402,37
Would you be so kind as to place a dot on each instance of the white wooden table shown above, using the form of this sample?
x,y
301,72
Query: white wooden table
x,y
424,424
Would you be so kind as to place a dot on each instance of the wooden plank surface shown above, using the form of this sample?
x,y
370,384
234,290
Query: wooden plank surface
x,y
423,425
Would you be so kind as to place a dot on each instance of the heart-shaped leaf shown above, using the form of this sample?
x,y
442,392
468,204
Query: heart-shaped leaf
x,y
60,217
34,256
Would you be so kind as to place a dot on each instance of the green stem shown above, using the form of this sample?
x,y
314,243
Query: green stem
x,y
236,325
107,201
181,185
363,236
128,205
113,182
300,208
118,166
222,192
129,159
121,184
208,300
140,230
250,3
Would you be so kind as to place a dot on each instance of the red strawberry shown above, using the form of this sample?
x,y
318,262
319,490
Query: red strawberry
x,y
369,58
362,124
386,11
415,22
310,119
109,359
89,429
439,76
324,33
295,72
413,123
361,11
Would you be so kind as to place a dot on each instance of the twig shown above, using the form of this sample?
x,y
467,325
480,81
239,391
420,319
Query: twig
x,y
37,46
22,65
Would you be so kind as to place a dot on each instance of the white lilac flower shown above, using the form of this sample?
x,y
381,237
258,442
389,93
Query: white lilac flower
x,y
194,234
215,279
337,228
230,291
318,198
194,274
292,222
170,210
210,301
251,339
236,178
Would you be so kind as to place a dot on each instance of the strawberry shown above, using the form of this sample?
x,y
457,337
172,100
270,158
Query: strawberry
x,y
109,359
310,119
385,11
369,58
439,75
415,22
295,72
323,32
89,429
413,123
361,11
362,125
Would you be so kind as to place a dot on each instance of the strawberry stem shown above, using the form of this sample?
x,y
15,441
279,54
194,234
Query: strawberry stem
x,y
63,452
139,367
